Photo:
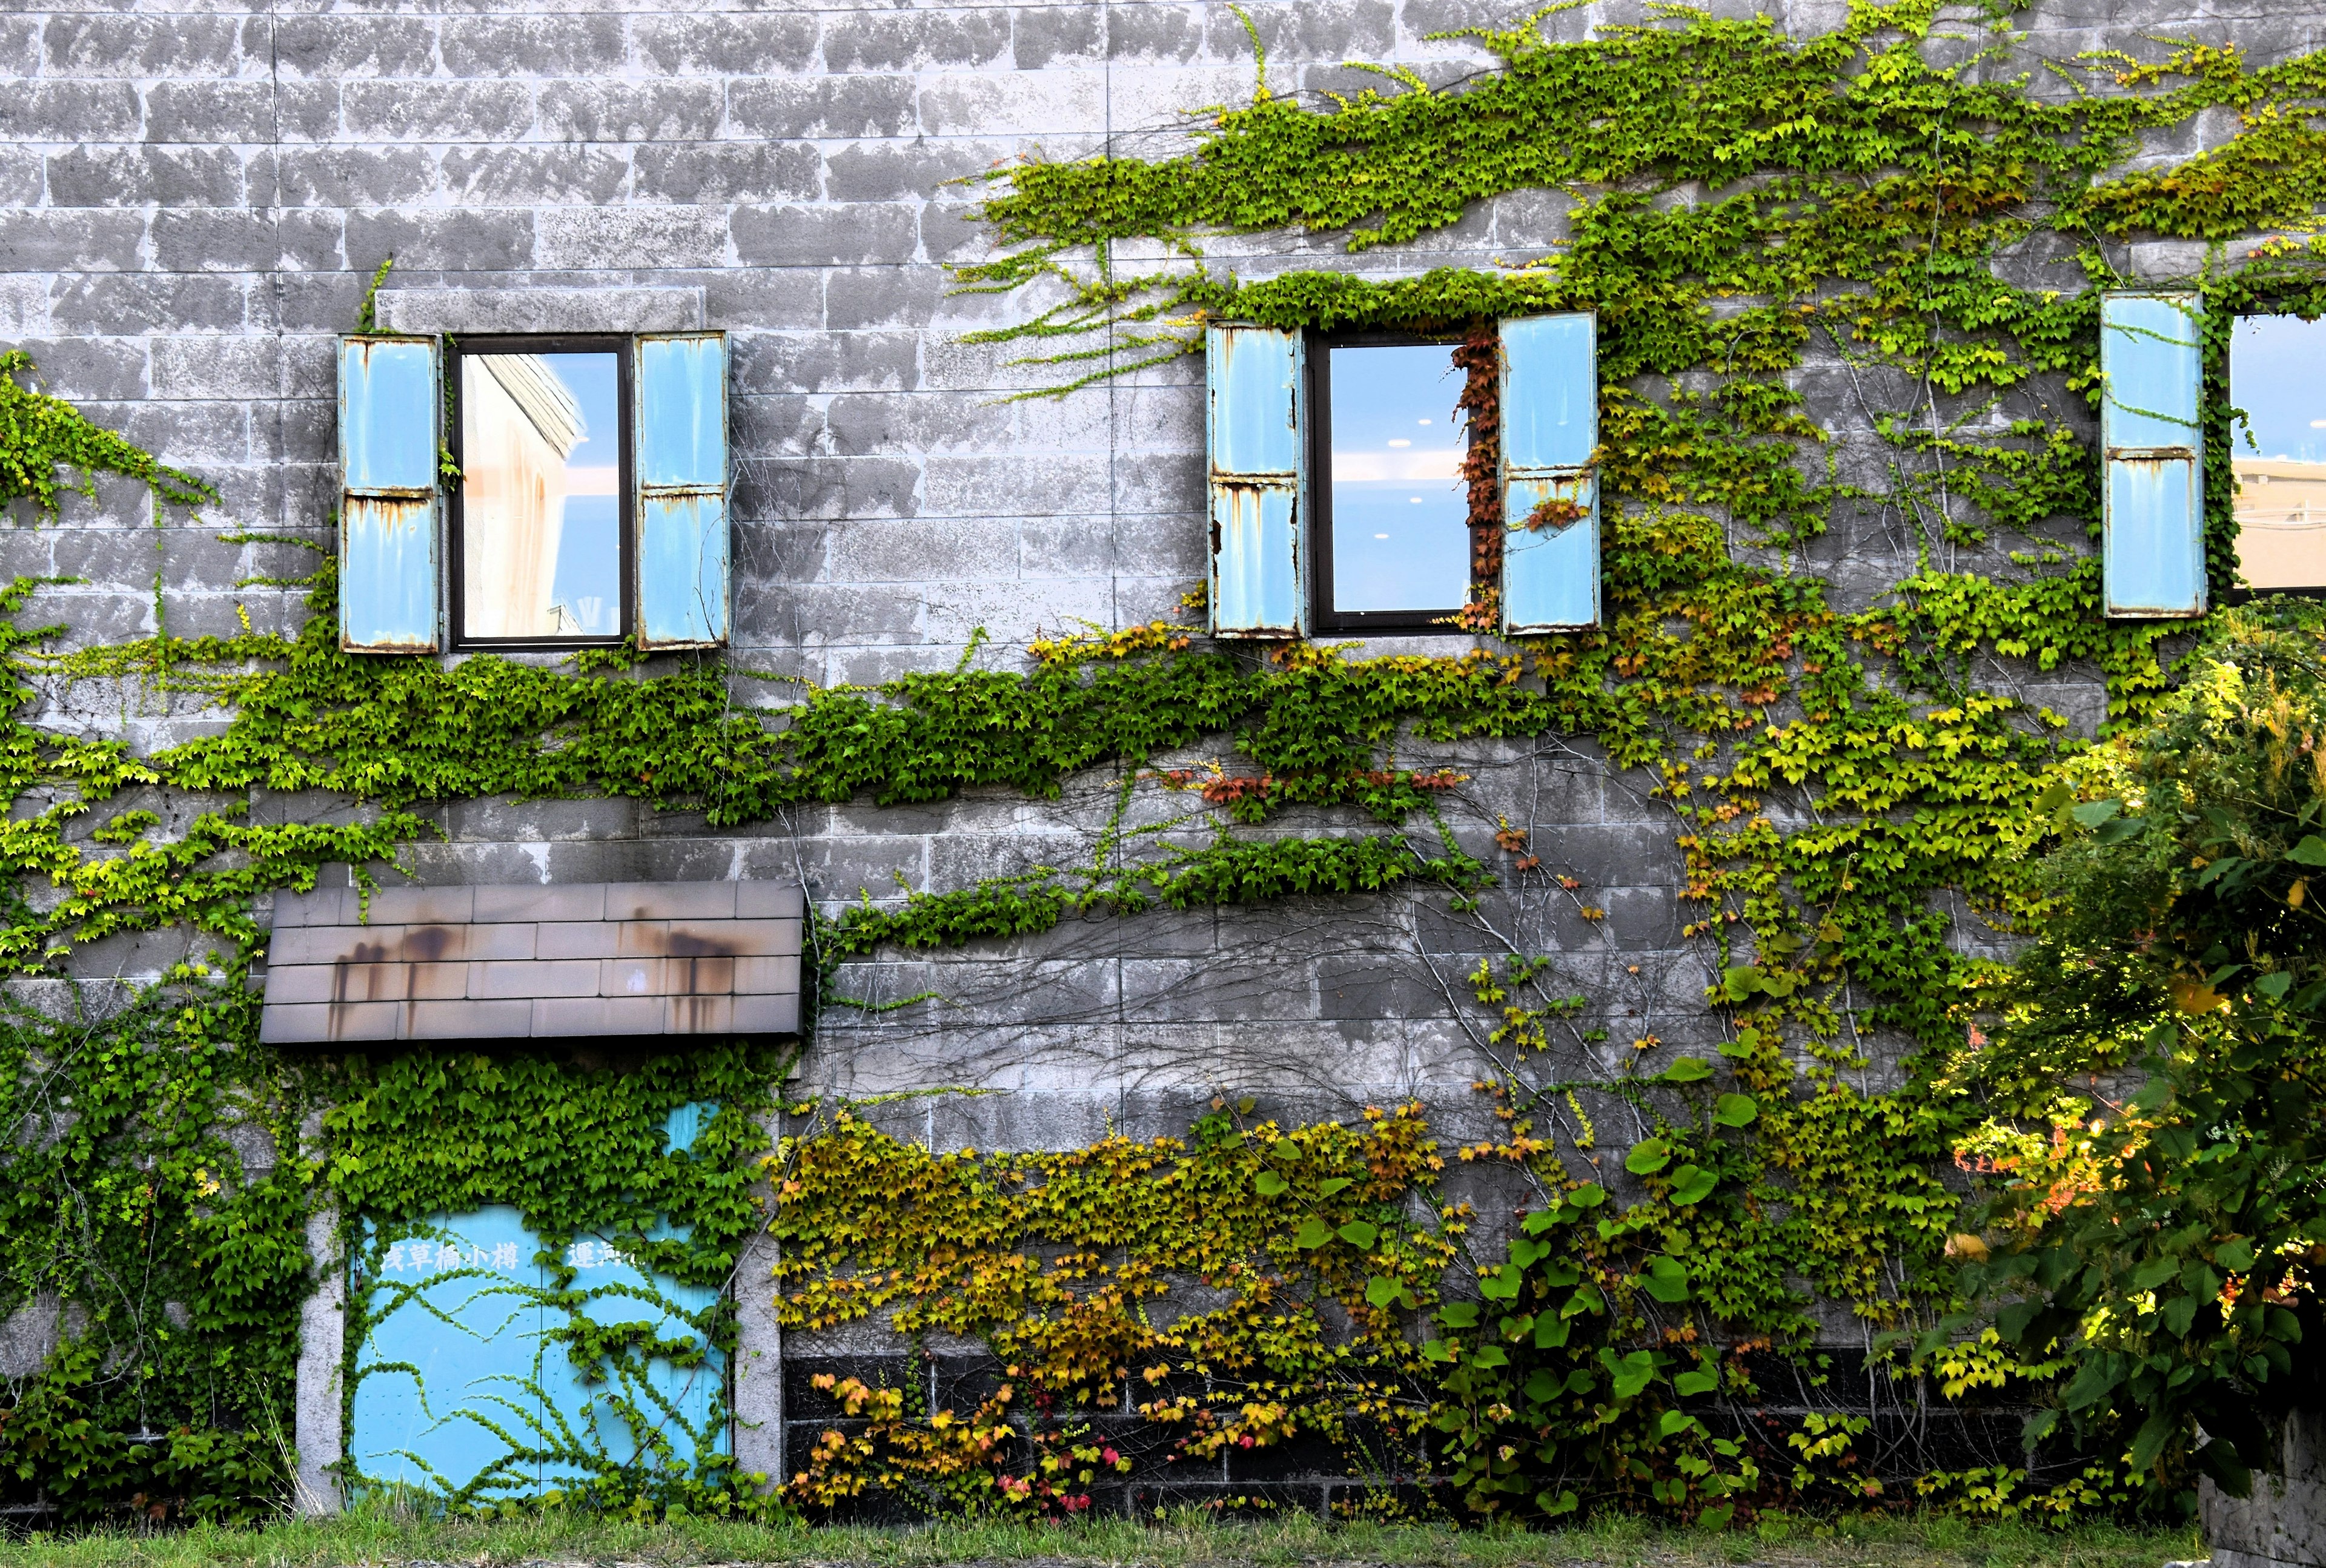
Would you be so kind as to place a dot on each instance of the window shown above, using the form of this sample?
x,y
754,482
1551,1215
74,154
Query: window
x,y
587,502
541,515
2277,450
1336,487
1392,509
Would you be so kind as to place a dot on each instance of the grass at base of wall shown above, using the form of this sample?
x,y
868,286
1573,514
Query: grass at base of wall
x,y
1185,1538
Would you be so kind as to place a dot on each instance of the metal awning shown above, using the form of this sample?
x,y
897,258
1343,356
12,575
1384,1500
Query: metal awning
x,y
531,961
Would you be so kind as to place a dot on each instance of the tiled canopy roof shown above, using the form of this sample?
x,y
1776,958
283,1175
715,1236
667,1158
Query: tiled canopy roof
x,y
516,962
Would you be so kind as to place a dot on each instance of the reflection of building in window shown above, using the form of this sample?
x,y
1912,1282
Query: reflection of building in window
x,y
2278,449
519,426
2281,523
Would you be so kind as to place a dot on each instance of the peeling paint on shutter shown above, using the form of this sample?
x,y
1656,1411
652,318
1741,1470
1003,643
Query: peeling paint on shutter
x,y
1550,493
1257,458
681,468
387,494
2152,374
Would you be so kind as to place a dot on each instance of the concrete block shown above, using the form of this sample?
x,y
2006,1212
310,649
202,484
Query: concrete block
x,y
322,906
70,111
436,982
149,46
515,176
471,1020
437,111
308,111
824,236
699,1015
589,938
298,983
630,236
70,241
868,41
770,901
488,240
658,309
423,905
353,176
101,176
826,362
883,296
317,1024
765,1015
242,112
1045,35
727,172
336,47
218,367
555,1017
533,977
1151,32
1051,103
869,424
727,44
615,110
664,901
768,976
831,107
916,170
535,44
318,1413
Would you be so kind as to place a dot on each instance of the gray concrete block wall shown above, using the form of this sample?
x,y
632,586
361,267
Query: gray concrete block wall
x,y
191,203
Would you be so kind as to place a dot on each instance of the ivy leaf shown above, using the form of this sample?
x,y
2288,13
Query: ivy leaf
x,y
1666,1280
2311,851
1526,1254
1648,1157
1382,1291
1502,1285
1269,1185
2092,813
1312,1234
1326,1189
1735,1110
1631,1374
1459,1315
1284,1149
1589,1195
1489,1356
1360,1234
1549,1330
2275,986
1687,1069
1739,981
1691,1384
1692,1184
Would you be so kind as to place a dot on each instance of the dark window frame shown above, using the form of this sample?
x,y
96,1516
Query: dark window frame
x,y
1322,615
623,347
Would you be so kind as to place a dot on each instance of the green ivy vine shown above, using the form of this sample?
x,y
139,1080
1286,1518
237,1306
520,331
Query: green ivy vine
x,y
1830,773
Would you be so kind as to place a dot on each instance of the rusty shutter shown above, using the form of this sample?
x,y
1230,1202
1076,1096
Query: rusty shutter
x,y
681,468
2153,507
1254,425
1550,492
389,443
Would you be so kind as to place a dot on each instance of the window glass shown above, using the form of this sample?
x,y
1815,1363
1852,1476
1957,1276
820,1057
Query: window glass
x,y
2277,378
1400,513
541,551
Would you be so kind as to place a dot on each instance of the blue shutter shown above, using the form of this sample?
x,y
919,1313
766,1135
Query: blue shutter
x,y
2152,510
1551,428
681,468
387,494
1256,457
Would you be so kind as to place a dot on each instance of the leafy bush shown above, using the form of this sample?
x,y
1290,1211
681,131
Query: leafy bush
x,y
2162,1055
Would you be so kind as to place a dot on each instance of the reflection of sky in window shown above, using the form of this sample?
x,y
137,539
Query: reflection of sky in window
x,y
2277,382
588,577
1400,511
2277,377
